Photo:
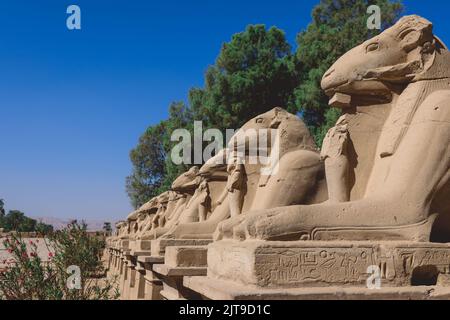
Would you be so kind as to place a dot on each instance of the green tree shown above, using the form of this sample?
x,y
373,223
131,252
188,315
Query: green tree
x,y
337,26
2,214
107,227
180,117
31,276
2,208
43,228
148,160
253,73
153,169
17,221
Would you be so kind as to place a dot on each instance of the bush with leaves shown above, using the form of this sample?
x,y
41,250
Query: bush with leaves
x,y
27,277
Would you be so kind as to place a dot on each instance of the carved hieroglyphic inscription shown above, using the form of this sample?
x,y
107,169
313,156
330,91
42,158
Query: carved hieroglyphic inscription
x,y
331,263
321,265
411,258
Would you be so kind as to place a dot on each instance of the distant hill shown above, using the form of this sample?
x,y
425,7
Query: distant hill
x,y
58,224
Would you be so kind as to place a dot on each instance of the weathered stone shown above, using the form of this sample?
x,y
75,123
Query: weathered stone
x,y
186,256
314,263
169,271
372,205
159,246
216,289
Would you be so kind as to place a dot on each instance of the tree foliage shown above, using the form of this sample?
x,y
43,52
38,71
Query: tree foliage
x,y
16,220
148,159
153,170
254,72
107,228
337,26
2,208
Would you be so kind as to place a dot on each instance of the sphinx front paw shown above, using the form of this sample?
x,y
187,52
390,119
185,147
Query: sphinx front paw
x,y
257,225
224,229
168,236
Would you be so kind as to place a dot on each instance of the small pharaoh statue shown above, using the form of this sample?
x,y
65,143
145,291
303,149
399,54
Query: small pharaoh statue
x,y
142,219
335,154
235,188
205,200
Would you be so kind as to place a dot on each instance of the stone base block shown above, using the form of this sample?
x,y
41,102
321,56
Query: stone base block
x,y
180,262
186,256
124,244
158,247
150,259
169,271
214,289
304,264
142,245
153,286
139,287
173,289
140,253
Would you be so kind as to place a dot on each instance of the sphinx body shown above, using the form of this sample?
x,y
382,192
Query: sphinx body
x,y
389,171
293,176
120,229
191,199
203,207
170,205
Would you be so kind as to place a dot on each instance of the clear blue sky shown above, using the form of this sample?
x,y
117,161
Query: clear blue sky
x,y
73,103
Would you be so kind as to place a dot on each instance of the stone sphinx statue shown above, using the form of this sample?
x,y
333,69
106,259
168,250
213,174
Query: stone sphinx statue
x,y
170,205
124,230
120,230
204,207
387,160
251,185
146,213
132,226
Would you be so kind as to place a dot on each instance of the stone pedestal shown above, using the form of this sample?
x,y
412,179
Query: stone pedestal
x,y
153,284
117,262
137,291
158,247
215,289
108,261
124,244
285,270
129,285
142,245
124,274
179,263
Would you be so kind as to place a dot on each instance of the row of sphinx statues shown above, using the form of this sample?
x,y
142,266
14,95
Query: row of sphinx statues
x,y
382,172
231,184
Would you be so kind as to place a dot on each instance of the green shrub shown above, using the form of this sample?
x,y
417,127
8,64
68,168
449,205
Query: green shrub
x,y
28,277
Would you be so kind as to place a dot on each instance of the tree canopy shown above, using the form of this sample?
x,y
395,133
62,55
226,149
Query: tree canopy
x,y
337,26
253,73
16,220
